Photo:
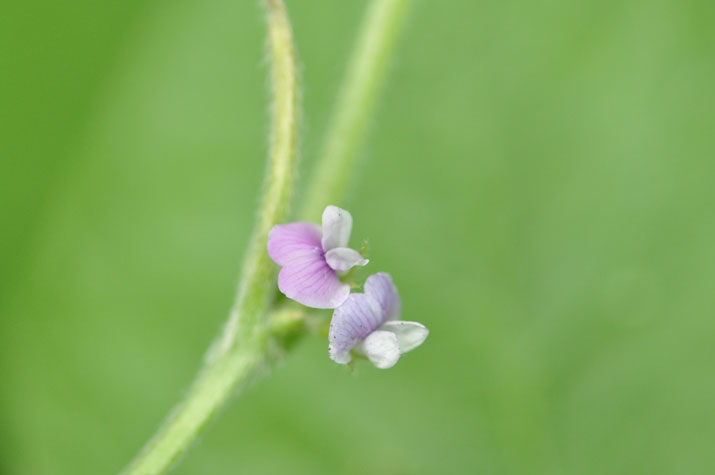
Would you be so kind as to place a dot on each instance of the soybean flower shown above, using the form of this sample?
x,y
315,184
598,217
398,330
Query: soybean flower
x,y
314,257
366,323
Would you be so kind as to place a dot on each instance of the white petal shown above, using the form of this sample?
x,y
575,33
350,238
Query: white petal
x,y
339,355
337,225
409,335
381,348
343,258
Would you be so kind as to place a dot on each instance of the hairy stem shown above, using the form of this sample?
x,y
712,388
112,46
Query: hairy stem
x,y
355,105
242,351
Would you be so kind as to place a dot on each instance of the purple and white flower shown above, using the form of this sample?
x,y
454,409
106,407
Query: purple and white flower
x,y
366,324
313,258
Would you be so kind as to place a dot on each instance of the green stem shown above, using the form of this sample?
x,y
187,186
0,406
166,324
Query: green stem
x,y
355,105
241,352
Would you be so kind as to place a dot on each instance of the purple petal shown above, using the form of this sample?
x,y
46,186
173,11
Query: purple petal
x,y
352,322
382,292
309,280
289,241
362,314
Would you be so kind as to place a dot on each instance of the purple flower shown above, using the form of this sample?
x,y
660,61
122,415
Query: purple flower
x,y
366,324
312,259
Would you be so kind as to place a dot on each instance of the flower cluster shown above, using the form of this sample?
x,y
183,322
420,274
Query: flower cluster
x,y
313,259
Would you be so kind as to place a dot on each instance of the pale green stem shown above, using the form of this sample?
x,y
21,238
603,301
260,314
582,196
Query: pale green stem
x,y
242,351
355,105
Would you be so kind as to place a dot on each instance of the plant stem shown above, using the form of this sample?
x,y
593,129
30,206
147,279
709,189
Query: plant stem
x,y
242,351
356,102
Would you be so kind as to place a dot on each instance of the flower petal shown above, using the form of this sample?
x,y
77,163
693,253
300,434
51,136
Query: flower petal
x,y
381,348
337,225
343,258
339,356
382,292
352,321
309,280
409,335
289,241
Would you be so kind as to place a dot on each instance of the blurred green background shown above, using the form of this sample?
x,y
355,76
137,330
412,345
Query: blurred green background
x,y
539,180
